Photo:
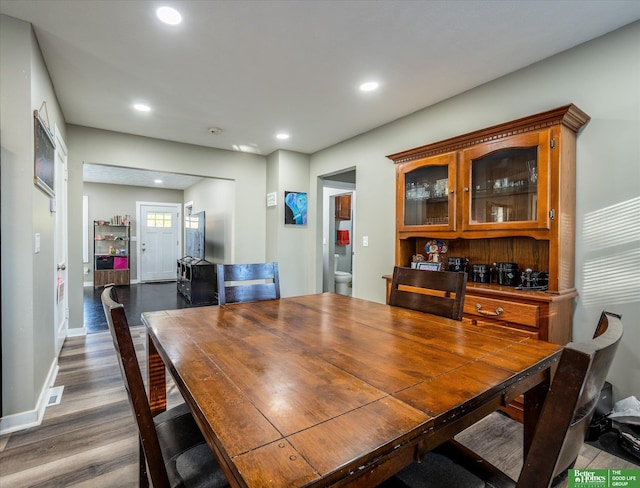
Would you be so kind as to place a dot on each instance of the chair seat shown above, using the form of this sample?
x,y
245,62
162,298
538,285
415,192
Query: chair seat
x,y
185,451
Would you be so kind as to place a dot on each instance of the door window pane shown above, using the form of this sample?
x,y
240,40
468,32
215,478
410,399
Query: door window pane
x,y
159,219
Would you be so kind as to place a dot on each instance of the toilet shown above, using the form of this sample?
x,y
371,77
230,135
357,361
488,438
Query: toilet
x,y
342,279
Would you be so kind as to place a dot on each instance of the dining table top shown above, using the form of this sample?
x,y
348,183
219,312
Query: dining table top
x,y
325,389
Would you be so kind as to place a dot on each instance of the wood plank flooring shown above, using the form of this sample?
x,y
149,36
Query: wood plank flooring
x,y
498,439
89,439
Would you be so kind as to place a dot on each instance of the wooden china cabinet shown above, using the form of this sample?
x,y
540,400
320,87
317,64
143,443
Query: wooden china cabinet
x,y
504,194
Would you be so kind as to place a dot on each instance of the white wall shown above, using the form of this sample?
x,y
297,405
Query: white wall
x,y
273,214
28,326
601,77
287,244
216,198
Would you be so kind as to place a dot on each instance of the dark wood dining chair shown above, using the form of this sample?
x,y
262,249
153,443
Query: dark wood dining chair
x,y
603,322
559,435
172,447
437,292
248,282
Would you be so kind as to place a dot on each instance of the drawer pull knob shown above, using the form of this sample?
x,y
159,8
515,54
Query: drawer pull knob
x,y
498,311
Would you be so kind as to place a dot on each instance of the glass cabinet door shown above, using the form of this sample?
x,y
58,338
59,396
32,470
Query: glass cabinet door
x,y
507,186
427,199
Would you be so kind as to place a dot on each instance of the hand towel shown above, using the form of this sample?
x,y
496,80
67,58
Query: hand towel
x,y
343,237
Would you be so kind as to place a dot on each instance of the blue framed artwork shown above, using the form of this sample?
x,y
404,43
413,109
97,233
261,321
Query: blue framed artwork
x,y
295,209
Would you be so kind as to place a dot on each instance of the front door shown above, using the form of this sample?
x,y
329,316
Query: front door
x,y
159,241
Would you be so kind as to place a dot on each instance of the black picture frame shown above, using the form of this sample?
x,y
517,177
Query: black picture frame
x,y
44,164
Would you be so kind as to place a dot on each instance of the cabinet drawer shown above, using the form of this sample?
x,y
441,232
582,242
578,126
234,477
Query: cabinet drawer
x,y
486,324
502,310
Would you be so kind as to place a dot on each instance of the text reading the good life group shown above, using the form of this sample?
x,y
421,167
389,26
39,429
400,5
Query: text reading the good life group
x,y
603,478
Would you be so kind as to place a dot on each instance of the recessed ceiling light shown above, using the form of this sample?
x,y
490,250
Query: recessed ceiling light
x,y
282,136
141,107
252,148
369,86
157,182
169,15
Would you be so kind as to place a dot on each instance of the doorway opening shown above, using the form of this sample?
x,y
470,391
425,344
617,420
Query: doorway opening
x,y
338,228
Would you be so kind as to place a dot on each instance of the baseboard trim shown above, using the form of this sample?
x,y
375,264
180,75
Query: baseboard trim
x,y
90,283
78,331
31,418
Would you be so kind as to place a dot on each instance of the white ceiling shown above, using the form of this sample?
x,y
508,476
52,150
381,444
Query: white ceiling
x,y
117,175
255,68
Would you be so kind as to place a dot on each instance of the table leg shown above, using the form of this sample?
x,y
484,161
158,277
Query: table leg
x,y
533,401
156,379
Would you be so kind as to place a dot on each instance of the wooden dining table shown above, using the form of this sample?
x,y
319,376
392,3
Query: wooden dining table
x,y
330,390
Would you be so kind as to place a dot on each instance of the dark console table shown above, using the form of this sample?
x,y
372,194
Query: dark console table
x,y
196,280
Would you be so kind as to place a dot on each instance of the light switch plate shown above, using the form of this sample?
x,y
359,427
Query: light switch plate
x,y
365,241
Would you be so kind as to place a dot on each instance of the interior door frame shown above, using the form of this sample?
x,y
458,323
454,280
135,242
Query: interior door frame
x,y
329,188
175,207
61,246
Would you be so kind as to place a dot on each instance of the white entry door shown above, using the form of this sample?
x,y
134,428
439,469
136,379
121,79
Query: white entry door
x,y
159,241
60,247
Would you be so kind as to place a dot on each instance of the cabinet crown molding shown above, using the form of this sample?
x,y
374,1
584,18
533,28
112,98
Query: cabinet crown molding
x,y
567,115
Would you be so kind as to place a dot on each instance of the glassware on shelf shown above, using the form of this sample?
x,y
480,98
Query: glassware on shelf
x,y
426,196
533,171
503,186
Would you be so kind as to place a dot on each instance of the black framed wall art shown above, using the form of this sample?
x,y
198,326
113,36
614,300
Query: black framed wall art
x,y
44,156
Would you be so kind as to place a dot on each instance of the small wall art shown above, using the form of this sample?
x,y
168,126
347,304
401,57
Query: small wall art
x,y
295,209
44,156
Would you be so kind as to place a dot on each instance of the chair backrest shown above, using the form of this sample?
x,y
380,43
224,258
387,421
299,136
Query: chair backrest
x,y
132,377
570,404
264,277
603,323
437,292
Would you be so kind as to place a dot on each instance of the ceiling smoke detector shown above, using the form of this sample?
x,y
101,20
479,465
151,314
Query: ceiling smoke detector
x,y
215,130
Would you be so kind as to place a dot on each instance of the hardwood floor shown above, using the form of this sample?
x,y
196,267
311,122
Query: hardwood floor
x,y
136,299
89,439
498,439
